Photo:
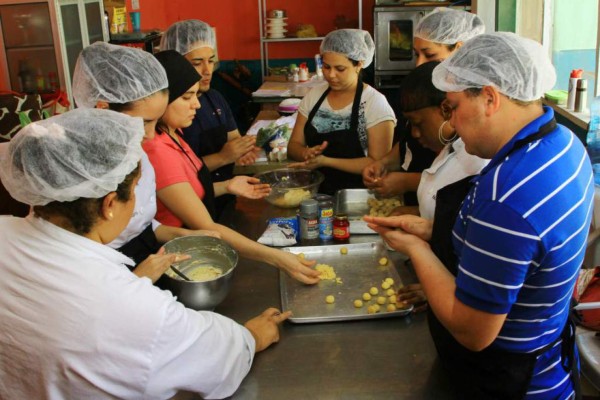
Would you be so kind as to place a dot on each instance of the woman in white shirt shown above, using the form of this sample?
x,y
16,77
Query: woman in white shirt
x,y
74,322
345,124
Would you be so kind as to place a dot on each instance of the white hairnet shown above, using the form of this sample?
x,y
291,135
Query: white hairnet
x,y
518,67
86,152
355,44
116,74
448,26
188,35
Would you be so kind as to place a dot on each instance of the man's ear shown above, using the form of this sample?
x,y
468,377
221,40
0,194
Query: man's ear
x,y
491,98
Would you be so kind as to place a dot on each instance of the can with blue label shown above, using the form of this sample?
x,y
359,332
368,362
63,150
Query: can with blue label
x,y
325,216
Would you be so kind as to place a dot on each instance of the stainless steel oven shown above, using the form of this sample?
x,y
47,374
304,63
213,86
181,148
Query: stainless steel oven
x,y
393,30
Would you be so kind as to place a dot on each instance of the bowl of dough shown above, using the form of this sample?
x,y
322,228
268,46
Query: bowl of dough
x,y
210,270
289,186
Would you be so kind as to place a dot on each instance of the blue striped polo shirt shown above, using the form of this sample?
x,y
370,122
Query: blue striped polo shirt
x,y
520,238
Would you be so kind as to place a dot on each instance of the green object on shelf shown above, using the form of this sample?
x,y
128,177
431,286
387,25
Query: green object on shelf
x,y
557,97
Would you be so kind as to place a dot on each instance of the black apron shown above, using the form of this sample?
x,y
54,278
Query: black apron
x,y
341,144
205,180
141,246
491,373
211,141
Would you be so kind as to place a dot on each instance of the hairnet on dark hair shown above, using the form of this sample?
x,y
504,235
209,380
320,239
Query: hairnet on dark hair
x,y
417,90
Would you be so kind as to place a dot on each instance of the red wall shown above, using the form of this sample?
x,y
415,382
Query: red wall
x,y
236,22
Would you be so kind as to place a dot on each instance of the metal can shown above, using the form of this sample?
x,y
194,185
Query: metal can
x,y
341,228
309,219
325,216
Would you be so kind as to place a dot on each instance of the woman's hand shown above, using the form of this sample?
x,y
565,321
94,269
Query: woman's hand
x,y
238,147
248,187
298,268
249,158
413,295
373,173
265,327
156,264
388,185
311,163
404,233
312,152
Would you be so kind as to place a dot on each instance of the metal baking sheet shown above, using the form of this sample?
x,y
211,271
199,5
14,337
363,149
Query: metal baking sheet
x,y
359,270
353,202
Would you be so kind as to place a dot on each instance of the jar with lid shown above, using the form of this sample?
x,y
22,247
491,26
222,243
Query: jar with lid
x,y
309,220
325,216
341,228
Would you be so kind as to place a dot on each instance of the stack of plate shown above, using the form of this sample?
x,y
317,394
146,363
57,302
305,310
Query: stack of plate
x,y
276,24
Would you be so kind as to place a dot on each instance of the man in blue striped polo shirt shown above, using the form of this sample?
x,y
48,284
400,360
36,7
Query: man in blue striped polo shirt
x,y
500,303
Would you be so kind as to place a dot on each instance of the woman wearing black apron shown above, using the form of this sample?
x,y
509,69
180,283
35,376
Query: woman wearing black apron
x,y
347,124
179,175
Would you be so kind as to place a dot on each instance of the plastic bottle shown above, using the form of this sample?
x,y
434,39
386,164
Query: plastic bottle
x,y
581,97
40,81
575,76
593,138
319,66
309,220
303,73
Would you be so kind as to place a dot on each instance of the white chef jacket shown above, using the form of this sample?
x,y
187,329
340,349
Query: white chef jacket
x,y
451,165
145,206
75,323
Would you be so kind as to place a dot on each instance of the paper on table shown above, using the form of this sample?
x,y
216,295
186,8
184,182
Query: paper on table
x,y
261,123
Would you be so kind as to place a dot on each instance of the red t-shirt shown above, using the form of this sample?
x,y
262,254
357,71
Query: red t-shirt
x,y
172,166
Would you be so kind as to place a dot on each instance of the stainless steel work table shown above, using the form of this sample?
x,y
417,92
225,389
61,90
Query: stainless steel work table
x,y
390,358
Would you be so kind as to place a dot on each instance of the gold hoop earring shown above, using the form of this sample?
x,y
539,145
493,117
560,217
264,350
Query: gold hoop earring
x,y
441,137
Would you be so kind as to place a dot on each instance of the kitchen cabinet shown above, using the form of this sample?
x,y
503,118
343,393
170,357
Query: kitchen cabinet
x,y
265,41
41,40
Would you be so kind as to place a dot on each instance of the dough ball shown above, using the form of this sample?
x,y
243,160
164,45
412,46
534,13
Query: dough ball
x,y
390,281
300,256
372,309
393,299
383,261
390,292
391,307
366,296
385,285
376,307
358,303
381,300
374,291
330,299
344,250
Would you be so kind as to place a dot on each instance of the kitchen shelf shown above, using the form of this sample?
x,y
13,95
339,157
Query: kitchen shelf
x,y
264,41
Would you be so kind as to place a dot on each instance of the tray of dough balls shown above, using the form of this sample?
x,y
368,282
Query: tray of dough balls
x,y
358,202
358,281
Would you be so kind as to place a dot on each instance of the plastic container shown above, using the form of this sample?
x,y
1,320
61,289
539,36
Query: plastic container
x,y
558,97
593,138
574,77
341,228
319,66
309,219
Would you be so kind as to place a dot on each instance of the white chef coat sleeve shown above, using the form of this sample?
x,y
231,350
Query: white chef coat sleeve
x,y
201,352
155,224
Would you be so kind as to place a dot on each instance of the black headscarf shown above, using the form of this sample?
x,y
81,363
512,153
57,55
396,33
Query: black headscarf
x,y
180,73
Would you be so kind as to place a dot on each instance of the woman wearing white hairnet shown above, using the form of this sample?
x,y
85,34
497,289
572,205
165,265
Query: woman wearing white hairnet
x,y
345,125
436,37
74,322
131,81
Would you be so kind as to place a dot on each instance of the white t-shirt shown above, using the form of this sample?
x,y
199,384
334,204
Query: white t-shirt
x,y
374,109
145,206
448,167
75,323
